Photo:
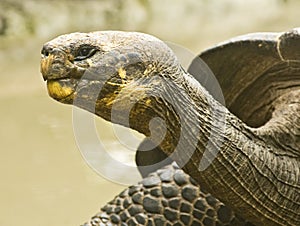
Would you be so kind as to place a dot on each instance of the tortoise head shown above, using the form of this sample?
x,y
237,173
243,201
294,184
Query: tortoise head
x,y
95,67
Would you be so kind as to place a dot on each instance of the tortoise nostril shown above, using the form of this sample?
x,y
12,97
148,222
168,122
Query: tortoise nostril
x,y
46,50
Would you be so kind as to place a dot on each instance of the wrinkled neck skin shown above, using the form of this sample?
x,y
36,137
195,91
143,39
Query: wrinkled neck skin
x,y
256,180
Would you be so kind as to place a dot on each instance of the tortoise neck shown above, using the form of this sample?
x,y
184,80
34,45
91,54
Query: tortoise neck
x,y
219,151
175,113
212,145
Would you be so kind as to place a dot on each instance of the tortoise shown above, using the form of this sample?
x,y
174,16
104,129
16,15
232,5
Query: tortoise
x,y
252,164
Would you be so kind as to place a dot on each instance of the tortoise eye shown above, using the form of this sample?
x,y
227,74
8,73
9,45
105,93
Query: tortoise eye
x,y
85,52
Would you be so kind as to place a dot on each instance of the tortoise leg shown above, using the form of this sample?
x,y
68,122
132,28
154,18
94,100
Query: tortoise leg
x,y
166,197
150,158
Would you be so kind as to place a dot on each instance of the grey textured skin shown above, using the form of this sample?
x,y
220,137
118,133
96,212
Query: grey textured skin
x,y
166,197
256,170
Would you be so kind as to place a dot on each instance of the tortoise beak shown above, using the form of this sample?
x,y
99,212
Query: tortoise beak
x,y
55,68
54,64
45,66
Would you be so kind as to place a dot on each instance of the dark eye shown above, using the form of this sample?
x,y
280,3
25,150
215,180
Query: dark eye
x,y
85,52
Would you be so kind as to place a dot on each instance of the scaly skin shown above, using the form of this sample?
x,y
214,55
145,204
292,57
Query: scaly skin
x,y
136,77
166,197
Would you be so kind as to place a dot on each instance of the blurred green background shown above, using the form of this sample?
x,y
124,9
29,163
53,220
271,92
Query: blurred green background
x,y
44,179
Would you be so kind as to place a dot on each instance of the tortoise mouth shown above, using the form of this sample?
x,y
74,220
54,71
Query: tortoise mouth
x,y
62,77
60,85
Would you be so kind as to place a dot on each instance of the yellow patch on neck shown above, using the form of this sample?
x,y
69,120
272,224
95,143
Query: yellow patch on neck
x,y
148,102
122,73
